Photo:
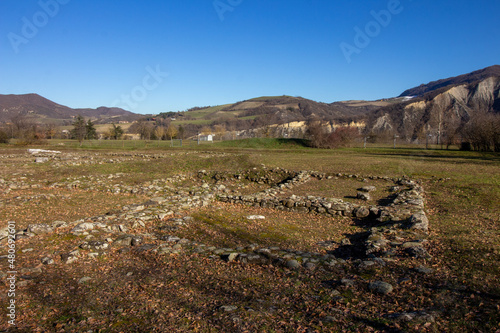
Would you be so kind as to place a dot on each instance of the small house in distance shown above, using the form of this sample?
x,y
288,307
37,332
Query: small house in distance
x,y
208,137
66,134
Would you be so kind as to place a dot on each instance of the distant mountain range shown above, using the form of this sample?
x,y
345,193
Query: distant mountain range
x,y
287,108
428,108
42,110
471,78
441,105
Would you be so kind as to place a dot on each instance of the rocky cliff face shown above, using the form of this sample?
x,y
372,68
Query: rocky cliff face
x,y
296,129
438,112
473,77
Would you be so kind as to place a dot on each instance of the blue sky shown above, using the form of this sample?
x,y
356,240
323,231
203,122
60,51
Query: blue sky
x,y
156,56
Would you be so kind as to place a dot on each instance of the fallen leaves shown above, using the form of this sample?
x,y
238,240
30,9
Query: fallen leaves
x,y
184,292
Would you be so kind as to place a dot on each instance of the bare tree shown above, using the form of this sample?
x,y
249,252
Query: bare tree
x,y
483,132
50,130
316,133
20,127
450,132
144,128
205,130
220,130
26,130
343,136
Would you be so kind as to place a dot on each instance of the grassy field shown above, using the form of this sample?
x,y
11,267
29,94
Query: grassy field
x,y
135,291
208,115
203,116
123,145
254,143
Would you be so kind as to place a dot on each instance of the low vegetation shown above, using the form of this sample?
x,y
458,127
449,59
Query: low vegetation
x,y
188,291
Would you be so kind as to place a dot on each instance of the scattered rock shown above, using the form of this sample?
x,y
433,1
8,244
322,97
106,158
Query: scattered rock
x,y
58,224
145,247
335,293
124,240
421,316
424,270
381,287
416,250
419,221
135,240
347,282
366,264
363,196
71,257
47,261
328,319
228,308
407,245
229,257
367,189
83,227
159,200
293,264
164,250
345,242
124,250
84,279
362,212
39,229
42,151
41,159
310,266
34,270
256,217
94,245
171,239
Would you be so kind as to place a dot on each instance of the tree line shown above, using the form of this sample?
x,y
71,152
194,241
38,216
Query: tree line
x,y
26,131
480,132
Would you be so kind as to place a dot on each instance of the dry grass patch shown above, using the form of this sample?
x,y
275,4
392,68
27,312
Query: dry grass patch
x,y
226,225
49,205
341,188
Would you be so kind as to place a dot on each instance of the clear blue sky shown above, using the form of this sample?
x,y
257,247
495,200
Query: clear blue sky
x,y
92,53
